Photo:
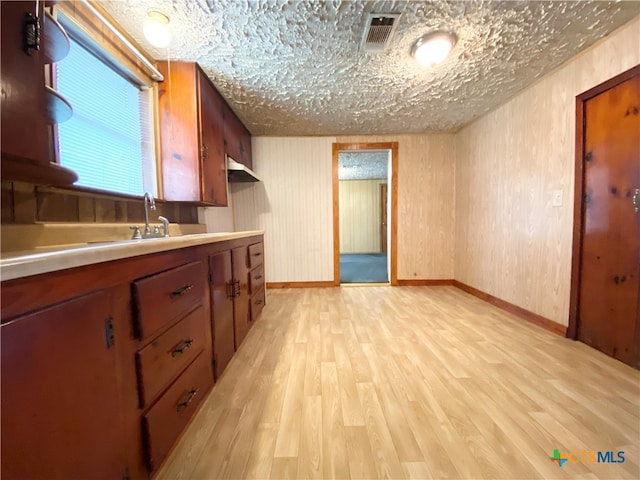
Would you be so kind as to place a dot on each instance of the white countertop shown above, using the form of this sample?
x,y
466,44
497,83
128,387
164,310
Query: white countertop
x,y
49,259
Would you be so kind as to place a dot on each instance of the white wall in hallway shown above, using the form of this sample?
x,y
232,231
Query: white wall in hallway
x,y
293,204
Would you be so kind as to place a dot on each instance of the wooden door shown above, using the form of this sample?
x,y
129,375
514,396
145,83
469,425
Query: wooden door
x,y
221,310
214,170
383,218
610,256
241,313
60,405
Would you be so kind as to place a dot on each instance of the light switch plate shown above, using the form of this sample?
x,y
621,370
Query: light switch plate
x,y
557,198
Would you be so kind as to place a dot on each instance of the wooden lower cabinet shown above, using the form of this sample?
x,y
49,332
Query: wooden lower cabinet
x,y
164,422
241,312
61,411
237,298
103,366
221,287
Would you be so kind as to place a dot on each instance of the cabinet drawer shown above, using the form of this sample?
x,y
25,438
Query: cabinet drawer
x,y
164,297
165,357
257,304
164,422
256,254
256,279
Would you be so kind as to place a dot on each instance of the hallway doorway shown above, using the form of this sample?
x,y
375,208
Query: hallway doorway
x,y
365,200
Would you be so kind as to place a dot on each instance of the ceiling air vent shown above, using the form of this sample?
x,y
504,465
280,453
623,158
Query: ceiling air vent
x,y
380,28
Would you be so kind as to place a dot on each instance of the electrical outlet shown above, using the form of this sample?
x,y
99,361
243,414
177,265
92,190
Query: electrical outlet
x,y
557,198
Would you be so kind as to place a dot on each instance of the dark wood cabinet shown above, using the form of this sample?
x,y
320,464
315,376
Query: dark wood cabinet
x,y
241,312
237,139
236,278
61,413
28,107
221,287
172,323
191,136
214,171
256,280
104,365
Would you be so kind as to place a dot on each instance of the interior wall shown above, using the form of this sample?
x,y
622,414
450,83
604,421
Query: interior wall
x,y
510,241
293,204
219,219
426,196
360,216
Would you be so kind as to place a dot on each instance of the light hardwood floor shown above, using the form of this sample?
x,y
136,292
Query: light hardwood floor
x,y
408,382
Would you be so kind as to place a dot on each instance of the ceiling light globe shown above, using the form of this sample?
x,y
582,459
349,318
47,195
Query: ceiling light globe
x,y
433,48
156,29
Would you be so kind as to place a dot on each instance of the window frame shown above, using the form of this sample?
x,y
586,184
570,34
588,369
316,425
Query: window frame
x,y
83,28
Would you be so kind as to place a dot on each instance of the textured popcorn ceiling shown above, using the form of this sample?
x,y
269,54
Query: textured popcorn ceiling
x,y
363,165
294,67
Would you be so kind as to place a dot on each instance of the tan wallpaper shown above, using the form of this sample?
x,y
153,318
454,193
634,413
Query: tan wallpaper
x,y
293,204
510,241
360,216
426,194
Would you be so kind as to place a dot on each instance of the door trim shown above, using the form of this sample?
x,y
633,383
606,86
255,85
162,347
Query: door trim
x,y
338,147
572,329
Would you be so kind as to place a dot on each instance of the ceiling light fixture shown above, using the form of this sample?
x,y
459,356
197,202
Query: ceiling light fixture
x,y
156,28
433,47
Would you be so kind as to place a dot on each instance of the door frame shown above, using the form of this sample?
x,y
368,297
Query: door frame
x,y
572,330
341,147
384,215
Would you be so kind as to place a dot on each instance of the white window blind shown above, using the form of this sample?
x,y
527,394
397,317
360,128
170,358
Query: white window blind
x,y
108,141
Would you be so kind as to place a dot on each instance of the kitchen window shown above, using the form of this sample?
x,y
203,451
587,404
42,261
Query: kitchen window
x,y
109,141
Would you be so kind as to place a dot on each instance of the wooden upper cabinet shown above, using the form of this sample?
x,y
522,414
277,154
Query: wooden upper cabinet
x,y
193,166
237,139
214,171
28,108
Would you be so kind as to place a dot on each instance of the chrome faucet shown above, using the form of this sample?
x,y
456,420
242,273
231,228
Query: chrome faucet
x,y
150,203
148,199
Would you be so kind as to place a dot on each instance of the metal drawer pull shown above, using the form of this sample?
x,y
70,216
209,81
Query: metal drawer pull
x,y
181,347
257,277
258,302
186,399
257,254
181,291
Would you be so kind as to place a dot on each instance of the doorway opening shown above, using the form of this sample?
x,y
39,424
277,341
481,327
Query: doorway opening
x,y
364,213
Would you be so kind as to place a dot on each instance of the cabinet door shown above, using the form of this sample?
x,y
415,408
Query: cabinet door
x,y
178,115
214,169
237,139
221,310
241,312
60,404
25,133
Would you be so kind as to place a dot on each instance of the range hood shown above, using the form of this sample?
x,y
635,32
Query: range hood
x,y
238,173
